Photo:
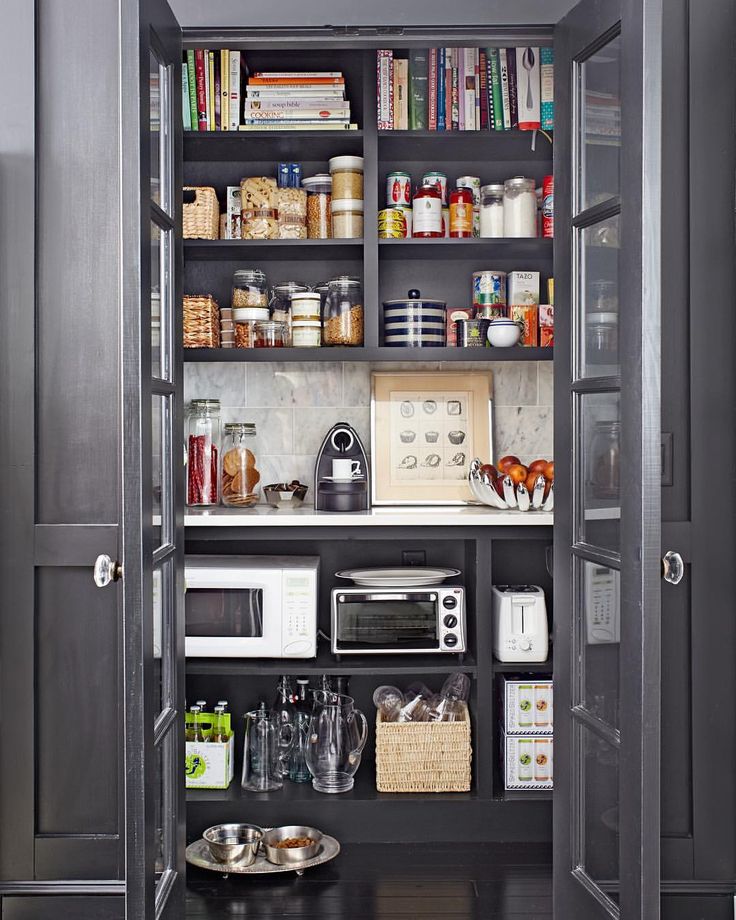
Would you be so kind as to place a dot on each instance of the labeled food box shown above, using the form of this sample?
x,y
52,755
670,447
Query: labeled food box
x,y
232,224
209,764
453,315
527,762
546,325
527,315
522,288
527,707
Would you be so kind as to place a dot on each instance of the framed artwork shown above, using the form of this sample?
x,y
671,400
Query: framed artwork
x,y
426,427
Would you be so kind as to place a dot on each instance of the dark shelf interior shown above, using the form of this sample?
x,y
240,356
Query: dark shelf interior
x,y
294,250
374,354
508,248
528,667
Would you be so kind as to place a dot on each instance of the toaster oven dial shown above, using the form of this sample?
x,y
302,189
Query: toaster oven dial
x,y
450,641
449,602
450,621
525,645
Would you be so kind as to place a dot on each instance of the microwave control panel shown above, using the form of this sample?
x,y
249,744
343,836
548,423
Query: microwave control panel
x,y
300,615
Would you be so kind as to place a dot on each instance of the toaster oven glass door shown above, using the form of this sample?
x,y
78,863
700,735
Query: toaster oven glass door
x,y
387,622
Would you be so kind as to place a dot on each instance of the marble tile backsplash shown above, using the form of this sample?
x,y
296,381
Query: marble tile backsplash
x,y
294,405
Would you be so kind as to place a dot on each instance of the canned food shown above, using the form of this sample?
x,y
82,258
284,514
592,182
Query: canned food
x,y
391,234
439,179
398,189
489,287
472,333
490,311
392,222
548,207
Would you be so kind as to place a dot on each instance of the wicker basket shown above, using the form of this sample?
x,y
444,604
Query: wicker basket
x,y
423,756
202,216
201,321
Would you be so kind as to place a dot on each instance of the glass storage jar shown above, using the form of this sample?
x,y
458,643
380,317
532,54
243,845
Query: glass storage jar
x,y
270,334
306,305
342,320
292,210
259,208
245,319
601,324
319,206
605,466
203,451
347,219
250,288
306,333
519,207
347,177
461,213
239,474
280,303
427,211
491,211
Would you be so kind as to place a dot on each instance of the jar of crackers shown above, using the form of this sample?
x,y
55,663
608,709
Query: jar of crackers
x,y
239,475
259,208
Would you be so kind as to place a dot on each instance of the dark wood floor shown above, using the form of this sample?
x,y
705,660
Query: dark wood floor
x,y
391,882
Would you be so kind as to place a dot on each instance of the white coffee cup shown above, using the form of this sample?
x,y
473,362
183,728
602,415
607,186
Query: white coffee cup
x,y
345,469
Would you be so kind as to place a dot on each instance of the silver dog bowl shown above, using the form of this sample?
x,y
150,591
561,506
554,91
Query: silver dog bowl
x,y
287,857
234,843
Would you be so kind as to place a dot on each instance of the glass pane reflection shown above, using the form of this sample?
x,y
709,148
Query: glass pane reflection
x,y
599,640
599,105
598,783
597,470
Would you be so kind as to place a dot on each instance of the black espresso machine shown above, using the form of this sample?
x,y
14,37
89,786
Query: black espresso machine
x,y
341,492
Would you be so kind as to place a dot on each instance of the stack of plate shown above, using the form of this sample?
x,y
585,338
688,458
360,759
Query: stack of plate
x,y
415,323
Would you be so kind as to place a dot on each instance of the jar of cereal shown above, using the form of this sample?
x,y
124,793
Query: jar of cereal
x,y
347,177
319,206
250,288
342,320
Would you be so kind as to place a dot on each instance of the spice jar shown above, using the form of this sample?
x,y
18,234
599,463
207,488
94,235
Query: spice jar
x,y
461,213
203,450
347,218
347,177
491,211
250,288
270,334
239,475
342,320
519,207
319,206
427,211
280,303
605,466
259,208
292,213
245,319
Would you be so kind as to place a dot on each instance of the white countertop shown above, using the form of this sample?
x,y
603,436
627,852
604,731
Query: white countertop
x,y
306,516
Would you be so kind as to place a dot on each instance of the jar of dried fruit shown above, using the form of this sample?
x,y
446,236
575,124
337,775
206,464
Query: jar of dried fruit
x,y
203,452
342,318
240,476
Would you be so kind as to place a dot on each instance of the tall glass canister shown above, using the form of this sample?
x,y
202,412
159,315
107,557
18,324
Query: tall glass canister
x,y
240,476
203,453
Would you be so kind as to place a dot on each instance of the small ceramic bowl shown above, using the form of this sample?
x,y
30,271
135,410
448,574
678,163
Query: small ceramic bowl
x,y
503,333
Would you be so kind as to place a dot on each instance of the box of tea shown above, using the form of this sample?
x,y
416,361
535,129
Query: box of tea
x,y
210,761
527,707
527,762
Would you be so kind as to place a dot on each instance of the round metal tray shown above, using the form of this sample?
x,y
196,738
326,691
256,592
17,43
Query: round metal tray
x,y
198,854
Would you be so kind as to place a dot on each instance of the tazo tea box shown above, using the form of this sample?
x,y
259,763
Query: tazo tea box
x,y
232,227
527,762
210,764
528,317
527,707
522,288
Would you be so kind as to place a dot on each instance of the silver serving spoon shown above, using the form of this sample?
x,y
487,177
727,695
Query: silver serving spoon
x,y
527,62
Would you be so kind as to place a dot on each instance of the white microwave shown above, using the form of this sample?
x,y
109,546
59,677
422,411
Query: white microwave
x,y
251,606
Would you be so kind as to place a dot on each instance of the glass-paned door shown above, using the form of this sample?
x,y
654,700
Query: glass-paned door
x,y
607,527
152,470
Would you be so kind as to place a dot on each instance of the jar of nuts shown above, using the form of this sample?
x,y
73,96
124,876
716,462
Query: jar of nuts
x,y
347,177
342,319
250,288
245,319
259,208
239,475
292,208
319,210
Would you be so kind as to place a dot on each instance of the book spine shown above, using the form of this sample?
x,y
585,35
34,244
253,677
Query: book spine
x,y
496,85
396,93
296,81
476,85
210,74
384,86
186,115
528,89
218,90
297,74
401,102
293,92
432,88
234,89
192,101
547,80
489,89
247,120
418,77
281,126
224,90
448,89
297,105
455,90
504,69
513,87
441,65
252,115
461,89
483,80
201,82
469,85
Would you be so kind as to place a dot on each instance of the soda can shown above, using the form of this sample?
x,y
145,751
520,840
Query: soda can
x,y
398,190
473,183
548,207
283,175
440,180
489,287
295,175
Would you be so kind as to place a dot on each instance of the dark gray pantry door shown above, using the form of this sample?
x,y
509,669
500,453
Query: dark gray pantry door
x,y
607,513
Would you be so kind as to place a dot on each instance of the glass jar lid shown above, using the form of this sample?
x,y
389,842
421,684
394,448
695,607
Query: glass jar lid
x,y
495,188
200,405
344,284
519,184
246,428
286,288
321,182
346,162
249,276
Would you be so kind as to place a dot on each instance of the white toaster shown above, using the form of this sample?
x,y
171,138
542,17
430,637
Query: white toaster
x,y
520,628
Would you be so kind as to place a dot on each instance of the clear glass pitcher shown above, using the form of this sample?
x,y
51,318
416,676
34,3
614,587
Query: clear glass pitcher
x,y
337,736
268,742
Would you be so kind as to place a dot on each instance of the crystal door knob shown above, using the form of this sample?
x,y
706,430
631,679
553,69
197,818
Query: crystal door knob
x,y
106,570
673,568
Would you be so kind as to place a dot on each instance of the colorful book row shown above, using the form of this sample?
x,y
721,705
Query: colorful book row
x,y
211,83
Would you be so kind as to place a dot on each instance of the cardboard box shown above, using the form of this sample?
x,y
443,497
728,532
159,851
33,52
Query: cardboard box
x,y
546,325
527,707
233,227
453,315
209,764
546,337
522,288
527,762
528,315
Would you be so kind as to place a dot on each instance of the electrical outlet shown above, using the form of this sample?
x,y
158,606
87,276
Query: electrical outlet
x,y
413,557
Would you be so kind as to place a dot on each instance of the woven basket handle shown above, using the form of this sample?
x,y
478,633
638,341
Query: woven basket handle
x,y
356,752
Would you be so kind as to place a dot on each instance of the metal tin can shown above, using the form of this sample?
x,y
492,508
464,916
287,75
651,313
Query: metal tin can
x,y
398,190
489,287
473,183
437,178
393,224
472,333
490,311
548,207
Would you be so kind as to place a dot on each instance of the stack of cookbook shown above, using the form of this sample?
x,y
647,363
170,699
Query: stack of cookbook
x,y
301,100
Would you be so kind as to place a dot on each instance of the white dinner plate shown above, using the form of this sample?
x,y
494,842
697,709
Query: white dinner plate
x,y
404,577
